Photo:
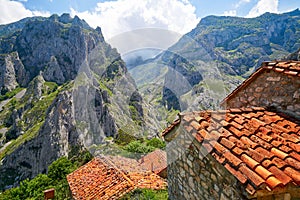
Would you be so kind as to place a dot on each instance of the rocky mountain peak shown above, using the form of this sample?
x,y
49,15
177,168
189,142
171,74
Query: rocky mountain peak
x,y
78,92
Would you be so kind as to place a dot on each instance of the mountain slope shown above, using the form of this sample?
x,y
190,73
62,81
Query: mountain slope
x,y
76,92
217,55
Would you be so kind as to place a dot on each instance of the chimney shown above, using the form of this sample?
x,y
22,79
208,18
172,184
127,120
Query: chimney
x,y
49,194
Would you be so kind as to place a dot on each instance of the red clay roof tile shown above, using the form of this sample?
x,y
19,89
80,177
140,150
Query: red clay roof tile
x,y
295,175
155,161
198,137
237,150
285,149
257,155
109,177
249,161
252,176
273,182
263,172
231,158
227,143
267,163
220,158
279,153
295,147
258,145
294,163
242,178
280,175
295,155
279,163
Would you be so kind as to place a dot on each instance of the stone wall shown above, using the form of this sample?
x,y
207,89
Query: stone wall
x,y
195,174
270,88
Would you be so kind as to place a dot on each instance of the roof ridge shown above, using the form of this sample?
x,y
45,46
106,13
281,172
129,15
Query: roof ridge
x,y
111,163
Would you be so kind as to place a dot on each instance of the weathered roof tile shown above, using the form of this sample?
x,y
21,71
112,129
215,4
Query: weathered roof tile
x,y
255,145
110,177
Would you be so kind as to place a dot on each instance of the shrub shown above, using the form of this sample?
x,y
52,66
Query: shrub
x,y
138,147
156,143
60,168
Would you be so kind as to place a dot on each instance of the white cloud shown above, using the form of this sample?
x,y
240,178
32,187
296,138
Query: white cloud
x,y
263,6
12,11
230,13
241,2
116,17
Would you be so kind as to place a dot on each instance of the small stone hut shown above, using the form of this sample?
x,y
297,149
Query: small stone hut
x,y
250,150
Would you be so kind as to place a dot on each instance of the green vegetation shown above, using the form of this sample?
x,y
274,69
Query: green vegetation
x,y
105,88
138,147
124,138
146,194
56,178
28,135
33,189
156,143
32,119
135,115
144,146
10,94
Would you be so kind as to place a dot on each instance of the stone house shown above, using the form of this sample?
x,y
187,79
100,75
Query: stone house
x,y
273,85
250,150
111,177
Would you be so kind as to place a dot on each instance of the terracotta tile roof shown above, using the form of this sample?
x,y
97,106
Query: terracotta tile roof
x,y
285,67
260,148
98,180
141,175
110,177
155,161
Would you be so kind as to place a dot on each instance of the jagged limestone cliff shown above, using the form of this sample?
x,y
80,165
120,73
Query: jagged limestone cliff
x,y
63,87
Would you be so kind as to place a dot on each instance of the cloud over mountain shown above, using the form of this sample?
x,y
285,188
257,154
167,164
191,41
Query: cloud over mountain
x,y
263,6
115,17
12,11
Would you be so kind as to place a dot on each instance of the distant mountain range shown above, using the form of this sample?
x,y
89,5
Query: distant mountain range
x,y
215,57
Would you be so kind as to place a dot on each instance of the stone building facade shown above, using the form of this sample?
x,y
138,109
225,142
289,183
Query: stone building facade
x,y
245,151
194,174
275,84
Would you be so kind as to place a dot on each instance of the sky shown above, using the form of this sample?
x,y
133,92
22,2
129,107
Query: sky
x,y
118,16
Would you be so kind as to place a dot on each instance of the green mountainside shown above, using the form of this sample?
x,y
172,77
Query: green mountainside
x,y
62,87
212,59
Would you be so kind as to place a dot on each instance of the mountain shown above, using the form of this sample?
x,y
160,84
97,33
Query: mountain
x,y
294,56
212,59
63,90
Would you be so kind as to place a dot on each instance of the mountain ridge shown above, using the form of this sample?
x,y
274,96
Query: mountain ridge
x,y
78,93
224,50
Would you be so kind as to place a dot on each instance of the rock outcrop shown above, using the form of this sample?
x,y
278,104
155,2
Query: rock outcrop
x,y
78,92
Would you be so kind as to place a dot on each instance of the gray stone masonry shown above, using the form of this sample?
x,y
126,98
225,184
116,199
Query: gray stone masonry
x,y
194,174
270,89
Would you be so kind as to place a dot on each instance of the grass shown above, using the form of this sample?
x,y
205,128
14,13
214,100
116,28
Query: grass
x,y
146,194
28,135
36,114
105,88
10,94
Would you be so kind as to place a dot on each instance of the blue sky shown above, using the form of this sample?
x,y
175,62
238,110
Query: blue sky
x,y
117,16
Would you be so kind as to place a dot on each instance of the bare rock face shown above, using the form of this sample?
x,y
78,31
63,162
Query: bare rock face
x,y
78,92
12,72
